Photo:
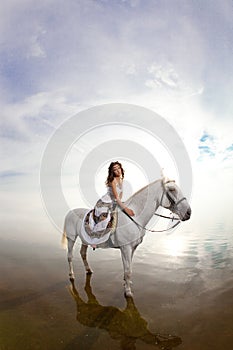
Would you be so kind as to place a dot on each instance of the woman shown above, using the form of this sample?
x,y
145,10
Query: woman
x,y
114,184
101,218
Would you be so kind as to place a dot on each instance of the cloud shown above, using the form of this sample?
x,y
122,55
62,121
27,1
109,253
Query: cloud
x,y
132,3
85,47
35,48
94,54
162,76
33,115
59,58
25,128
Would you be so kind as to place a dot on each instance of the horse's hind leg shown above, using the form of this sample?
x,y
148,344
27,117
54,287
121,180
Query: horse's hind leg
x,y
83,252
126,254
70,258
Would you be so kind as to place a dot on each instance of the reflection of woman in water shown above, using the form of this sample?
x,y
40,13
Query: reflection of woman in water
x,y
106,204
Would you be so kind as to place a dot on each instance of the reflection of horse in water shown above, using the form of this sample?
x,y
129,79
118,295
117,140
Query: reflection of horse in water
x,y
125,325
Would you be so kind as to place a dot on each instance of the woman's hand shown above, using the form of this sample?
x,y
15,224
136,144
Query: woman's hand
x,y
129,211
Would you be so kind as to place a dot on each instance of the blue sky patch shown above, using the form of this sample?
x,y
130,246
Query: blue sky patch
x,y
206,150
206,146
230,148
205,137
10,173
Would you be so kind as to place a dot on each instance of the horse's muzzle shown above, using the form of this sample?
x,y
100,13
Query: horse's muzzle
x,y
187,215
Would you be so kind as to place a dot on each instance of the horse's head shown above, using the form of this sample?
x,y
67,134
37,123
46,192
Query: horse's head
x,y
173,199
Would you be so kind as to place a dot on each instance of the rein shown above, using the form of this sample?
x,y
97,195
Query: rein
x,y
173,205
147,229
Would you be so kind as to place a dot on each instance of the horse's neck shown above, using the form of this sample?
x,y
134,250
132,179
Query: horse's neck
x,y
146,201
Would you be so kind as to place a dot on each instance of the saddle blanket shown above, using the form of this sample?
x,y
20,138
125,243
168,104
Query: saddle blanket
x,y
98,233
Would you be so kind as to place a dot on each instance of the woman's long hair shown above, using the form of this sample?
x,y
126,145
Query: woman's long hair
x,y
111,174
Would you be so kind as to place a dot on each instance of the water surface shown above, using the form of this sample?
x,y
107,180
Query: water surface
x,y
182,283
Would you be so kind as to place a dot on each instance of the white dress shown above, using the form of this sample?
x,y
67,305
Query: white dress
x,y
103,209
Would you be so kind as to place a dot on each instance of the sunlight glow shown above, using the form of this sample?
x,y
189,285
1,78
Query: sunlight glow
x,y
174,245
135,176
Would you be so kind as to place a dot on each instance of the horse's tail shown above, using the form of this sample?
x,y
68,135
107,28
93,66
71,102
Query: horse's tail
x,y
64,240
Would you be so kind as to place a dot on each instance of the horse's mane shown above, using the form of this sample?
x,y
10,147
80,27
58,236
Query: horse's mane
x,y
141,189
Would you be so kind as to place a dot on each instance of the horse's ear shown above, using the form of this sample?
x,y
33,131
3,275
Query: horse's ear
x,y
164,177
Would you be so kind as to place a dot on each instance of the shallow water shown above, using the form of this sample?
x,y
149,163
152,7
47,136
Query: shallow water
x,y
182,283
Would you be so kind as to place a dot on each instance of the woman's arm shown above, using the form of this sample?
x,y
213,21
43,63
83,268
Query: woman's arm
x,y
118,200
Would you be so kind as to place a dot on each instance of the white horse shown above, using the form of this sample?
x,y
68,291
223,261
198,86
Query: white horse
x,y
129,233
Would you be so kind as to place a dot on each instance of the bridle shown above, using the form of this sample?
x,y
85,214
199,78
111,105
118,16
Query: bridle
x,y
173,205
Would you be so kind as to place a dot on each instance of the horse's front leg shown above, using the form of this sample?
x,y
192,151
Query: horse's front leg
x,y
83,252
126,254
70,258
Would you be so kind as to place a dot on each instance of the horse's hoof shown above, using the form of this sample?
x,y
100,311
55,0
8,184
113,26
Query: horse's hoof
x,y
128,294
71,276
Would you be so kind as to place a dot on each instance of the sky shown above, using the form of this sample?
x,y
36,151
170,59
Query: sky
x,y
59,58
